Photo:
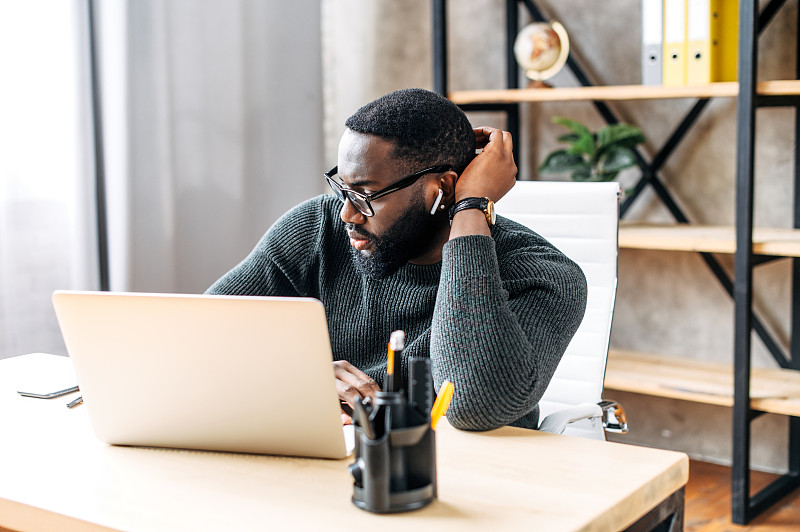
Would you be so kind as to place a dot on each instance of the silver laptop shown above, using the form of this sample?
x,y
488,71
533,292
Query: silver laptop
x,y
223,373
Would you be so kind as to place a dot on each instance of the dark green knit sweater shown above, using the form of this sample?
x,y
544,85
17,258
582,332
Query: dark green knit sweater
x,y
495,316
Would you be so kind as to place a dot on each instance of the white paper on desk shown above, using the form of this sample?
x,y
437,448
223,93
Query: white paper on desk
x,y
46,373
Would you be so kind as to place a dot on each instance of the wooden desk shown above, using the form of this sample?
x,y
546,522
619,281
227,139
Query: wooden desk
x,y
54,475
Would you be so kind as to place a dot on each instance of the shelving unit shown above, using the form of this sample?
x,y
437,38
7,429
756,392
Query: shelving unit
x,y
748,392
620,93
772,390
767,241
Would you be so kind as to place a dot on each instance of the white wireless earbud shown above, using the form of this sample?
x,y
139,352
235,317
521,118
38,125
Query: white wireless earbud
x,y
438,200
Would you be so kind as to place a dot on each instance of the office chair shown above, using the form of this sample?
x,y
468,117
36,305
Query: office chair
x,y
582,220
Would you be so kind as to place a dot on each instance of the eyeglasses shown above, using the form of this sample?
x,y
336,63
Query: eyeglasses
x,y
362,201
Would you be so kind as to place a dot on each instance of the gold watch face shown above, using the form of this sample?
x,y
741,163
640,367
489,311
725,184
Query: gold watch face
x,y
491,216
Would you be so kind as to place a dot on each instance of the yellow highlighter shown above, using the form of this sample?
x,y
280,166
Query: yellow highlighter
x,y
442,402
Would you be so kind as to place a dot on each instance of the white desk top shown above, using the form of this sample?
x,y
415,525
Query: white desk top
x,y
54,475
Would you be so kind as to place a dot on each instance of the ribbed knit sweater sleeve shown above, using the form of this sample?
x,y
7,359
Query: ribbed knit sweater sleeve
x,y
499,329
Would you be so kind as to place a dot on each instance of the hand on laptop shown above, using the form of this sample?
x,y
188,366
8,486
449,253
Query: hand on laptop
x,y
353,385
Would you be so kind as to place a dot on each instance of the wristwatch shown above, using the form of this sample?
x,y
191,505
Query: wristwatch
x,y
484,204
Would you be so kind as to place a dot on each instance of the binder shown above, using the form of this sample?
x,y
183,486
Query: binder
x,y
698,37
652,41
724,40
674,43
712,39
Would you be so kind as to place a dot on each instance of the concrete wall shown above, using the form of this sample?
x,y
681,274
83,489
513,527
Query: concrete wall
x,y
668,303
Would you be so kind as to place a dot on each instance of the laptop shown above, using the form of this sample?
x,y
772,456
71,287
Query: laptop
x,y
221,373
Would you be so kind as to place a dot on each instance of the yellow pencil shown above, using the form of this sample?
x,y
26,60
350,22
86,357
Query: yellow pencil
x,y
389,383
442,402
397,342
390,360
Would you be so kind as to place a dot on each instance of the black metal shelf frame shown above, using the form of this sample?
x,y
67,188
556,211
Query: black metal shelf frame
x,y
744,507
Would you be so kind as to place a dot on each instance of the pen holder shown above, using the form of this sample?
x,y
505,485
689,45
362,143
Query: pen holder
x,y
395,469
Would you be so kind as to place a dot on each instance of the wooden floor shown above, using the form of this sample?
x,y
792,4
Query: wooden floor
x,y
708,502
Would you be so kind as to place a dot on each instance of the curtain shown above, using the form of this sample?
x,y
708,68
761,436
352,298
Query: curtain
x,y
212,122
218,135
47,238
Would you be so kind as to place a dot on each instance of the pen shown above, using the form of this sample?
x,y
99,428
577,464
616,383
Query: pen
x,y
442,402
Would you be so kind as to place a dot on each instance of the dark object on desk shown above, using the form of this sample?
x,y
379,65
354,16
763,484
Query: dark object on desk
x,y
363,420
49,395
420,385
395,448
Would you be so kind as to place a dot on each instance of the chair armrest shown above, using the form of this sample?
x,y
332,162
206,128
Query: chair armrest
x,y
556,422
612,414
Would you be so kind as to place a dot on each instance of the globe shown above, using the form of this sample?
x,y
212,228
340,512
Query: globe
x,y
541,49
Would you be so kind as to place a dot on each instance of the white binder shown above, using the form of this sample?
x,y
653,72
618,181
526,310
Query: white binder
x,y
652,41
675,45
698,37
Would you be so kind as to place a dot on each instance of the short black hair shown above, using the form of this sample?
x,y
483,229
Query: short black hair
x,y
426,128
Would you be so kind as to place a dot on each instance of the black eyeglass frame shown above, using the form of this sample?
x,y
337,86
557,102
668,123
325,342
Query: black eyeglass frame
x,y
344,193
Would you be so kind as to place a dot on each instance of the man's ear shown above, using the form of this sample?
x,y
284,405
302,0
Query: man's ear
x,y
447,182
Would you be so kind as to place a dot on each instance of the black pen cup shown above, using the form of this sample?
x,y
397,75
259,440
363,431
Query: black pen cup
x,y
395,469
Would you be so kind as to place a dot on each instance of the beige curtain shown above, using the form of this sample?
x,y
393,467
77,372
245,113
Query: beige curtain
x,y
47,238
212,114
220,134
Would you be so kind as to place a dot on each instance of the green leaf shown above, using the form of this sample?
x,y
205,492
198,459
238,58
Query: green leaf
x,y
561,161
568,138
605,176
572,125
615,158
583,146
619,134
582,174
582,139
593,157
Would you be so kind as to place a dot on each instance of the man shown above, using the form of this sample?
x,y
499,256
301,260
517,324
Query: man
x,y
409,242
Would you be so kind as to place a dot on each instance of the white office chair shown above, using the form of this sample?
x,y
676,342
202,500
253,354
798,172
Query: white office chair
x,y
582,220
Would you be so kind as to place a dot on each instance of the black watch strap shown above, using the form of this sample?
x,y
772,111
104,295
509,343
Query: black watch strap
x,y
482,204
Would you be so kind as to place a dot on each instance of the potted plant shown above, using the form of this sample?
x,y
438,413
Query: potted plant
x,y
591,156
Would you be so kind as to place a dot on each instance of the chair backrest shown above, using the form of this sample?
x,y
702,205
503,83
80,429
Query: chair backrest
x,y
582,220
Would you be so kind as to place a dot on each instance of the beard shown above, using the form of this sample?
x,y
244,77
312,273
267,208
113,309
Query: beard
x,y
408,238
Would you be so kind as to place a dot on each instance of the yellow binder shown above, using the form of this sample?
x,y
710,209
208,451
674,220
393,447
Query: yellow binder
x,y
712,40
674,43
724,40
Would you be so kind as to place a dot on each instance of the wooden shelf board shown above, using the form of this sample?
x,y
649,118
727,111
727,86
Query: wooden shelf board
x,y
778,87
708,238
772,390
620,92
